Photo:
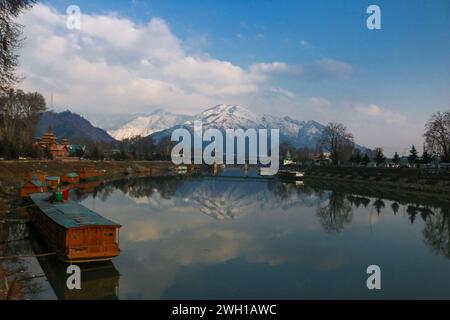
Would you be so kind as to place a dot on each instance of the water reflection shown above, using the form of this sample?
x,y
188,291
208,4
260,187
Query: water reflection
x,y
229,237
245,237
336,214
437,231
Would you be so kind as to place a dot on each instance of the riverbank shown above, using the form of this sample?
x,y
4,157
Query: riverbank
x,y
432,181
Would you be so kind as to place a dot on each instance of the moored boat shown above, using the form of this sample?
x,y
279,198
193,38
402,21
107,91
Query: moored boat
x,y
32,186
36,175
76,233
291,174
52,181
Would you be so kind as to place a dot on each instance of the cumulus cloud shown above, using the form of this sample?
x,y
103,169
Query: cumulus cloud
x,y
115,65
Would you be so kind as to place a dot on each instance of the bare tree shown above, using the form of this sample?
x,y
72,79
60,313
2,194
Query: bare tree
x,y
10,40
19,114
437,134
337,141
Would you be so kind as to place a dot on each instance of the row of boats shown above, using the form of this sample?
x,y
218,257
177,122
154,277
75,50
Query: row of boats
x,y
38,181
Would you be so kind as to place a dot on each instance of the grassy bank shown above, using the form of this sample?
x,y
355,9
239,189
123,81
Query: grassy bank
x,y
400,179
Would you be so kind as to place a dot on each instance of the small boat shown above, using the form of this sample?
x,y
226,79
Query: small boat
x,y
291,174
180,169
32,186
52,181
90,173
36,175
76,233
70,178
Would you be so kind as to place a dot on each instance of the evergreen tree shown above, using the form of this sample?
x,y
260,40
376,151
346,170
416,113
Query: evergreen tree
x,y
396,159
97,154
379,156
412,158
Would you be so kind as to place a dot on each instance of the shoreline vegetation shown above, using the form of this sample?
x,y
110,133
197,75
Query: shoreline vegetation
x,y
433,182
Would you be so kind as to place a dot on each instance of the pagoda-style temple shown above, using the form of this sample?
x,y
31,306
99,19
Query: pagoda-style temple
x,y
50,147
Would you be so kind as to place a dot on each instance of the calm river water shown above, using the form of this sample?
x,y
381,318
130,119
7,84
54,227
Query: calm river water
x,y
232,237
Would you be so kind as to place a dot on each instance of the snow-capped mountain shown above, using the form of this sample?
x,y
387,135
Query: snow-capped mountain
x,y
298,133
145,125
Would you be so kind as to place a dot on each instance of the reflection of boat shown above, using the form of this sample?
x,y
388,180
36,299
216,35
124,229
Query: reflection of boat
x,y
264,174
89,186
90,173
290,174
99,280
76,233
71,177
180,169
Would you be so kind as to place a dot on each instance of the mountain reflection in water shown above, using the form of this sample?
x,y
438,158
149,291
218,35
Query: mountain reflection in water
x,y
232,237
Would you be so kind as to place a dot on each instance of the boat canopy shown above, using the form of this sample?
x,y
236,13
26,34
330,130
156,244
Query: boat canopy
x,y
72,175
69,214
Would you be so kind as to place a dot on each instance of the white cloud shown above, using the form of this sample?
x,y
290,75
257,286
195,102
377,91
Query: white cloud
x,y
113,64
283,92
386,115
276,66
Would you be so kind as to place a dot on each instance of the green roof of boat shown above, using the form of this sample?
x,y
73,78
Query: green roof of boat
x,y
72,175
52,178
69,214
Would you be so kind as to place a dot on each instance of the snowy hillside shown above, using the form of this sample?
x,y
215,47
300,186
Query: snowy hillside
x,y
145,125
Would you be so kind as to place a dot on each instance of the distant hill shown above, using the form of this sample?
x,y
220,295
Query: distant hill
x,y
71,126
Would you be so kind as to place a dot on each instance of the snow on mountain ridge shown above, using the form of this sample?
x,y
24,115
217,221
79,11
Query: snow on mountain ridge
x,y
145,125
161,123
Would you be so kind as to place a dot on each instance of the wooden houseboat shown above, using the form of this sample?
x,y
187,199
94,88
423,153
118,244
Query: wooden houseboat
x,y
76,233
90,173
32,186
36,175
71,178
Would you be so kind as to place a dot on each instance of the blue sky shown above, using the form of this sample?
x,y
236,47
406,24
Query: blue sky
x,y
383,84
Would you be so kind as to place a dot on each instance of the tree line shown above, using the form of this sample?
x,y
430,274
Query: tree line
x,y
339,143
